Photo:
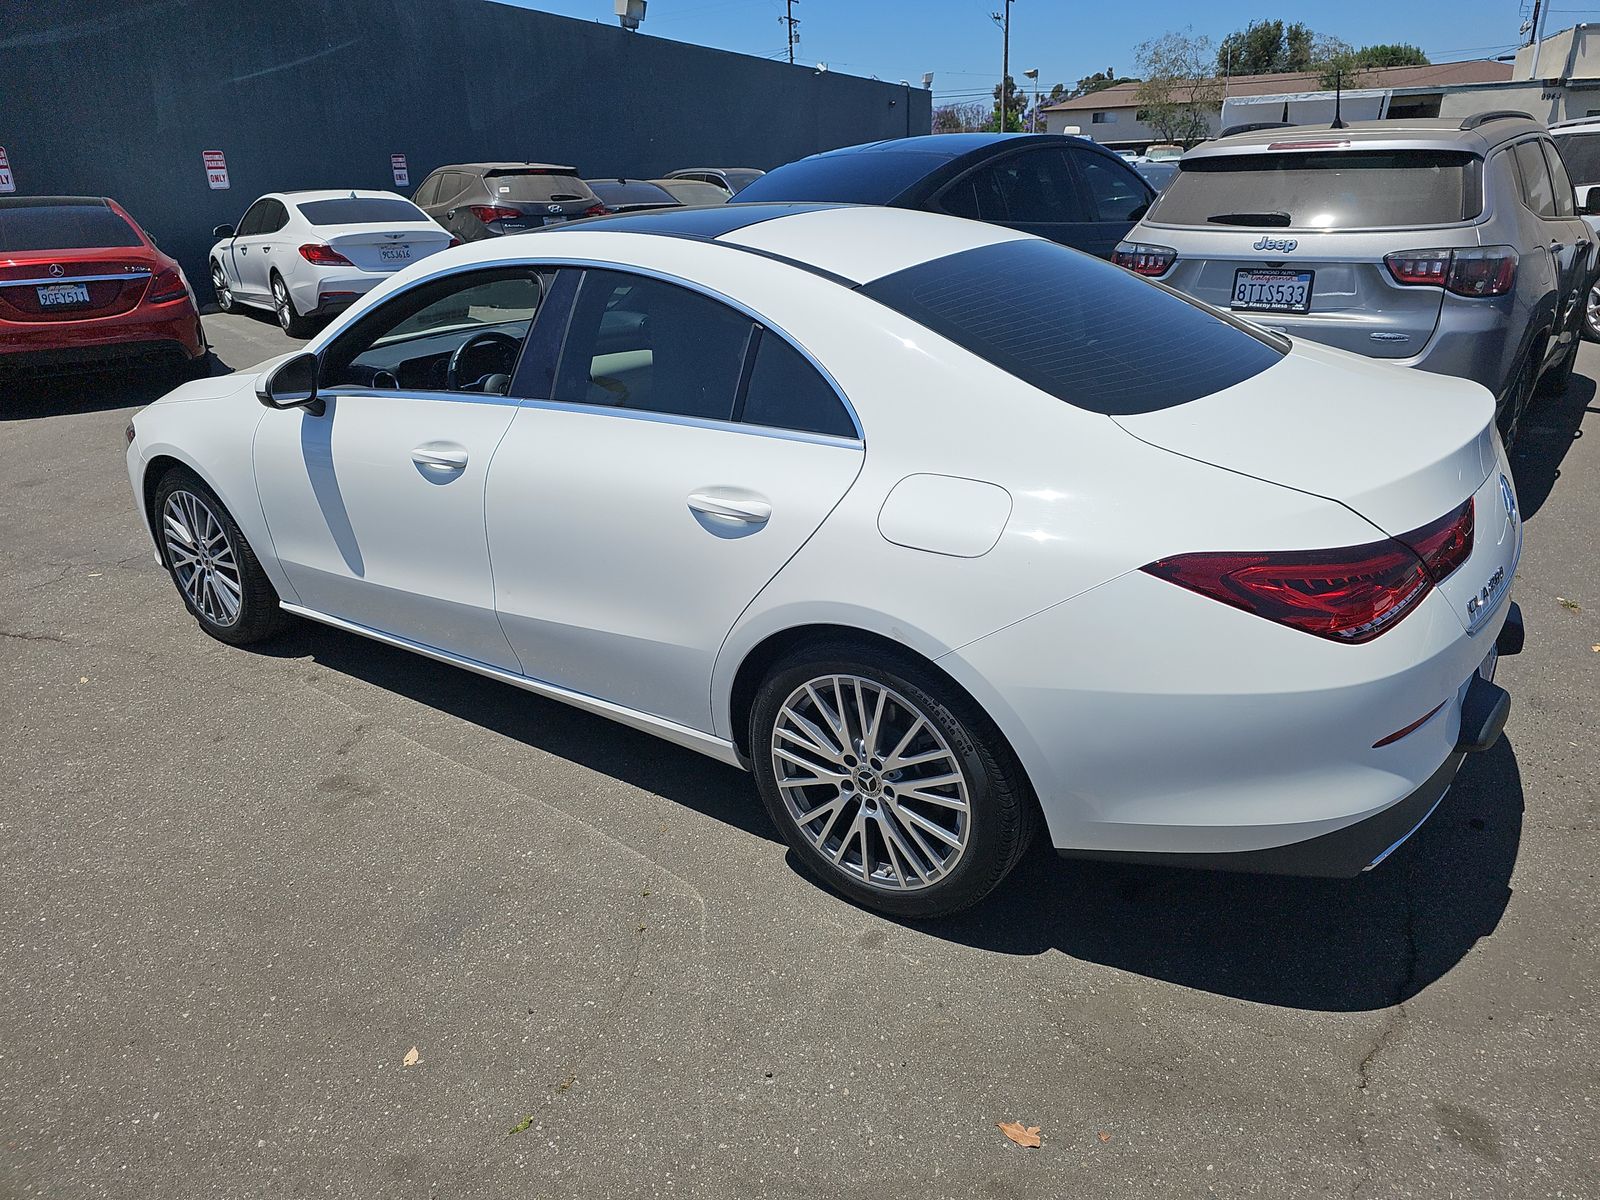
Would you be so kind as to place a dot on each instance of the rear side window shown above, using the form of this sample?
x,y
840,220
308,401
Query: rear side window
x,y
63,227
1116,192
1078,328
1537,193
1566,202
360,211
1032,188
787,392
524,186
1581,154
1325,189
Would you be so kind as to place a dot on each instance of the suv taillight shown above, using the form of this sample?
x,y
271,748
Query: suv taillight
x,y
493,212
1347,595
1144,260
324,256
166,287
597,210
1476,271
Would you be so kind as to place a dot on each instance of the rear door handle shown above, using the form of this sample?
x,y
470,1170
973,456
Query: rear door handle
x,y
440,456
734,508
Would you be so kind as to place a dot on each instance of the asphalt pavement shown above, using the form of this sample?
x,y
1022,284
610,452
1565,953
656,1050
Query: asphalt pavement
x,y
239,887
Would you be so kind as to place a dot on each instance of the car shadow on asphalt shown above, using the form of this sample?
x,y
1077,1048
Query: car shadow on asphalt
x,y
634,758
31,397
1331,945
1548,431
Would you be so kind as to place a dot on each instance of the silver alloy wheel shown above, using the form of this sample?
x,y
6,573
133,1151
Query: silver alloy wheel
x,y
202,557
1592,310
219,285
871,782
280,303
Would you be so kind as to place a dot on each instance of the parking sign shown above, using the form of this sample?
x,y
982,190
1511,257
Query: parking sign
x,y
216,170
402,176
7,183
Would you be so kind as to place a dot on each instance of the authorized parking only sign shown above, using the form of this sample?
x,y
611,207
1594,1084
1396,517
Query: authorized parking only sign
x,y
7,183
216,170
402,175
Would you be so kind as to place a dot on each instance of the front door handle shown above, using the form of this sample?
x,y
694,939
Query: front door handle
x,y
733,508
441,457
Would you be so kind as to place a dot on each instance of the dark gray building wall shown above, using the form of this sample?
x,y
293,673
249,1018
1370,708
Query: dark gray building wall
x,y
120,98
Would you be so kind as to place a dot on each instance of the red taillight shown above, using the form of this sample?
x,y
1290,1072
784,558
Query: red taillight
x,y
1144,260
1348,595
597,210
494,212
1446,543
324,256
1472,272
166,287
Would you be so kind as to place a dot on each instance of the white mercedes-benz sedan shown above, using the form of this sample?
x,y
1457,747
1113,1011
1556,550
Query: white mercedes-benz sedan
x,y
940,529
308,255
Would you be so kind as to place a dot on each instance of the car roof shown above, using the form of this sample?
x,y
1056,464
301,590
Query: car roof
x,y
310,194
51,201
847,243
1436,133
681,170
553,168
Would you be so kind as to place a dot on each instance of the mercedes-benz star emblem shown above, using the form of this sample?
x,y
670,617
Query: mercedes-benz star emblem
x,y
57,270
1508,497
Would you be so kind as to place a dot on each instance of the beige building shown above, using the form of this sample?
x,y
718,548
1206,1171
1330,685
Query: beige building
x,y
1111,116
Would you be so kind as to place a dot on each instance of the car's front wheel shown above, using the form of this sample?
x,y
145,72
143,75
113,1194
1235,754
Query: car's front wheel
x,y
1591,314
215,570
890,784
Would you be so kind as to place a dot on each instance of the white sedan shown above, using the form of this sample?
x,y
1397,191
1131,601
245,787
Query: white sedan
x,y
308,255
940,529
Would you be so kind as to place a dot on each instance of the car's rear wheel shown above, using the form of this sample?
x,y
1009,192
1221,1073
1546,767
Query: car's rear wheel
x,y
891,785
289,318
1591,314
221,288
212,565
1554,381
1519,396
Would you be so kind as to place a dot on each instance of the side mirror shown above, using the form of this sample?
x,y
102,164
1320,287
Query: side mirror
x,y
292,384
1588,198
222,231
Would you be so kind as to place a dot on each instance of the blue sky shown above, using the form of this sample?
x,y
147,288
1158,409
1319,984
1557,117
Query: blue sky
x,y
955,39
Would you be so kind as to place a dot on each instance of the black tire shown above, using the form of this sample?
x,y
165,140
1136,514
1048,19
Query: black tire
x,y
1000,813
289,318
1591,314
258,615
220,288
1555,381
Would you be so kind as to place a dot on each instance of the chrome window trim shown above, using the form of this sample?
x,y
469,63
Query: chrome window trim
x,y
661,418
555,264
75,278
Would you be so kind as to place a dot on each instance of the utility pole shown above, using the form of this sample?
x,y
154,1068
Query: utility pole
x,y
1003,19
792,24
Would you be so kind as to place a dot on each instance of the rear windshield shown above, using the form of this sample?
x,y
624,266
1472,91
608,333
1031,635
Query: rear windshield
x,y
629,193
738,180
1580,153
858,176
1324,189
1089,333
64,227
530,185
372,210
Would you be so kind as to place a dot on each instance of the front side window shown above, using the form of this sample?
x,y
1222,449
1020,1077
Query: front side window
x,y
254,220
640,343
1086,332
1537,192
1116,192
1032,188
462,333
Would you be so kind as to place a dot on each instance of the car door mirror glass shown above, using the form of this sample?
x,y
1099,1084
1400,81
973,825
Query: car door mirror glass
x,y
222,231
292,384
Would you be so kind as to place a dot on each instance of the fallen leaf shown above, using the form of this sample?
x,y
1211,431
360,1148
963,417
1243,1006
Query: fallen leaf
x,y
1019,1133
411,1059
1569,605
520,1125
1103,1136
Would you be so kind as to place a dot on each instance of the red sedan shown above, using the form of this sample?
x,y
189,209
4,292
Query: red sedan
x,y
82,284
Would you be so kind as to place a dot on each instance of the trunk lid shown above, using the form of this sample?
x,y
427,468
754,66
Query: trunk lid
x,y
1354,303
1397,446
386,247
70,285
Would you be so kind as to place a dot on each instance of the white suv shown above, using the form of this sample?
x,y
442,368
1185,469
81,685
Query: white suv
x,y
1578,142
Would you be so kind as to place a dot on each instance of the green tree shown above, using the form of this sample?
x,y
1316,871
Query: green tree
x,y
958,118
1267,48
1341,66
1179,96
1016,104
1098,82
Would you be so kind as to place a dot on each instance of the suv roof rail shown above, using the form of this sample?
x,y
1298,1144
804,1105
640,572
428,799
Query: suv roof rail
x,y
1499,114
1252,126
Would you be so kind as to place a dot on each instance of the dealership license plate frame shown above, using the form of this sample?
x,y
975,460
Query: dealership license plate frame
x,y
395,254
1286,274
62,295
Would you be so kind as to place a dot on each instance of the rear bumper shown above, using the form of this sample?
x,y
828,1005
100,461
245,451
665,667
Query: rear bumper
x,y
334,290
141,334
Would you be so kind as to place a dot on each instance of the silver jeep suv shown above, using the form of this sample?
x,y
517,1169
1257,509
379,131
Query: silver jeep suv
x,y
1453,246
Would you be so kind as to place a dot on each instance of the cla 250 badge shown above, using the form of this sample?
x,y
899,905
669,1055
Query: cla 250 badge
x,y
1271,243
1477,604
